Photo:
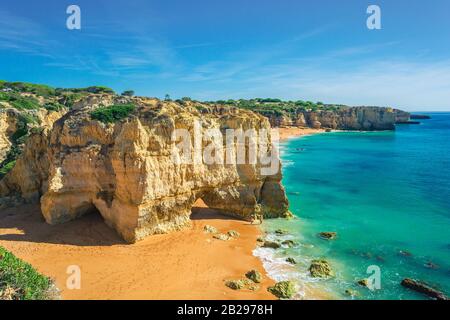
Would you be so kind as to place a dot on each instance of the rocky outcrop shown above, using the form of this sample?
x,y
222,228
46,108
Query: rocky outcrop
x,y
15,124
283,289
343,118
401,116
423,288
8,125
321,269
126,170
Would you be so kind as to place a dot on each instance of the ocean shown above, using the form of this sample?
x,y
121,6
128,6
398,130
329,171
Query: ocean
x,y
386,194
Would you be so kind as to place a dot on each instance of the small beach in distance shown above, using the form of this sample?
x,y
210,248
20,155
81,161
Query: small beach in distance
x,y
385,194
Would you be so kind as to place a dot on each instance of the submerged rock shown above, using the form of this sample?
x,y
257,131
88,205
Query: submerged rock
x,y
281,232
351,293
423,288
289,243
271,244
363,283
431,265
328,235
405,253
254,275
210,229
283,289
321,269
291,260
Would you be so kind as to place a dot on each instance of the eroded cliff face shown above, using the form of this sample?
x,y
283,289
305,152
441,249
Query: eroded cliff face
x,y
126,170
345,118
8,125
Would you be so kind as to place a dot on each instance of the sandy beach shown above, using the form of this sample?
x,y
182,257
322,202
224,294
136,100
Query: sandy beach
x,y
188,264
292,132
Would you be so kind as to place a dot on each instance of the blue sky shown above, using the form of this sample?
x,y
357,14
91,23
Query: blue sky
x,y
213,49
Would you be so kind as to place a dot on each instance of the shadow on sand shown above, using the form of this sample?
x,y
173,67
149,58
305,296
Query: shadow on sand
x,y
25,223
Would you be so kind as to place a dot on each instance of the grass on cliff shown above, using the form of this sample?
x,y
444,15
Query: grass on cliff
x,y
112,113
20,281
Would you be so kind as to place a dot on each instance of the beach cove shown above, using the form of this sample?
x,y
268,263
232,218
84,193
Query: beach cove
x,y
386,196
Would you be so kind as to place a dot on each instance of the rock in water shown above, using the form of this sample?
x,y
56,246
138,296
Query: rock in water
x,y
271,244
363,283
291,260
289,243
351,293
328,235
424,288
127,170
254,275
283,289
281,232
321,269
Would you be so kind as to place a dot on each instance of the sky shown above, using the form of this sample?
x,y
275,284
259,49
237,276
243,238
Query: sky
x,y
317,50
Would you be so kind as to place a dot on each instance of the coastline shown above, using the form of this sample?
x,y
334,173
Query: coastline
x,y
188,264
273,266
112,269
286,133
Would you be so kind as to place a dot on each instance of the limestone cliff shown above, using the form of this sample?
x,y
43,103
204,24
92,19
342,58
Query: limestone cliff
x,y
343,118
126,171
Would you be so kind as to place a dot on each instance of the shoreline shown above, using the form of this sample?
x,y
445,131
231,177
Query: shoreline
x,y
309,291
286,133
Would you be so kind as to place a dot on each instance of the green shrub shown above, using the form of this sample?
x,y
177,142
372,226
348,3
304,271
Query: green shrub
x,y
5,169
53,106
20,281
112,113
128,93
22,87
19,102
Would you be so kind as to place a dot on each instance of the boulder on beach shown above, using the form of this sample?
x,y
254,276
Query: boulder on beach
x,y
209,229
254,275
221,236
283,289
321,269
423,288
233,234
235,284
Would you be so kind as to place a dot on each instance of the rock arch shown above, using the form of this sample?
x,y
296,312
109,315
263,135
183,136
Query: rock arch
x,y
126,170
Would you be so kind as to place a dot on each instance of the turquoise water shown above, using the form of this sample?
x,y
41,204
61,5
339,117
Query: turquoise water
x,y
383,193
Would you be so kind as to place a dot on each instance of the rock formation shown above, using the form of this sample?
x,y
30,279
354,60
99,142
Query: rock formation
x,y
343,118
126,171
